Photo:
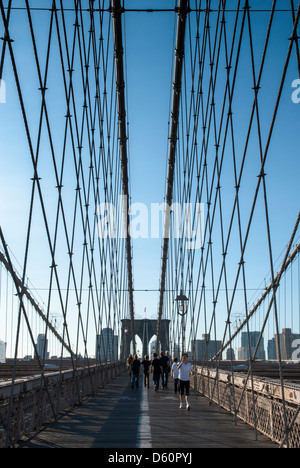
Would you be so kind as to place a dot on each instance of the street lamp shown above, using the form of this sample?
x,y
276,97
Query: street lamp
x,y
182,308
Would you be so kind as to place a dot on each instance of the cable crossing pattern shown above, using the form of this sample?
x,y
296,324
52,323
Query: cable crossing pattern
x,y
229,281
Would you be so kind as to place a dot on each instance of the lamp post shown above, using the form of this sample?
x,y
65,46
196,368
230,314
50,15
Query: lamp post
x,y
182,303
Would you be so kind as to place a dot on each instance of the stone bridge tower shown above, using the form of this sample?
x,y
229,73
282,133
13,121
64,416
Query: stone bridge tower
x,y
144,329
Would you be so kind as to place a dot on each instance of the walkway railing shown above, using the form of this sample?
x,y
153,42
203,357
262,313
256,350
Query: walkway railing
x,y
236,394
34,401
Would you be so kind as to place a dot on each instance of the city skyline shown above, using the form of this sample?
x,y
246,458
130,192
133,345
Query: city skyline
x,y
108,348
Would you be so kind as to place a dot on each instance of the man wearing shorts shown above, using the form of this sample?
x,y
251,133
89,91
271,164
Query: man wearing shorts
x,y
185,369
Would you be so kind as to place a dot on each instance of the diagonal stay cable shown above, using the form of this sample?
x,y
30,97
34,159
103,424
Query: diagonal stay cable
x,y
36,179
117,12
21,292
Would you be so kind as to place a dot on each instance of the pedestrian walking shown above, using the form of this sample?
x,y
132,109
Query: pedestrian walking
x,y
185,370
175,374
157,371
146,363
169,362
135,368
164,359
129,362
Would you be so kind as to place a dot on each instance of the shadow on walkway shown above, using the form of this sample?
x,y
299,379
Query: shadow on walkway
x,y
111,420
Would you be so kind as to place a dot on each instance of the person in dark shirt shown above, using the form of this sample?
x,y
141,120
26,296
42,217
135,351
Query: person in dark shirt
x,y
146,363
135,368
157,370
164,359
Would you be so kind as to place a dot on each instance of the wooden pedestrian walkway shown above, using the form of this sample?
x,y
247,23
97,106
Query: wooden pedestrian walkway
x,y
119,417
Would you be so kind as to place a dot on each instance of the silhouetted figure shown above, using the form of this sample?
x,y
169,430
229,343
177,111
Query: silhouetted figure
x,y
165,369
146,363
135,368
157,371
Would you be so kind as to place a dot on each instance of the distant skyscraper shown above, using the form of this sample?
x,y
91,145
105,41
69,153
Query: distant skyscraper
x,y
107,346
205,349
153,346
272,350
42,347
176,351
2,352
230,354
243,352
286,339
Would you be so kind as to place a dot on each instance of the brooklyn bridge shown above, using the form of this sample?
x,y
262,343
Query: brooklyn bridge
x,y
149,207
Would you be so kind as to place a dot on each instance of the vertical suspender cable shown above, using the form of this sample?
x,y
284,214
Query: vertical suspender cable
x,y
183,10
117,11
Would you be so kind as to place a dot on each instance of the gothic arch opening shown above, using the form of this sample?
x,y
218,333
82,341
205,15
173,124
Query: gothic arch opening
x,y
144,330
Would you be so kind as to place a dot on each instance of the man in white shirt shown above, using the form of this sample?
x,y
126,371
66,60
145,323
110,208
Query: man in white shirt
x,y
185,369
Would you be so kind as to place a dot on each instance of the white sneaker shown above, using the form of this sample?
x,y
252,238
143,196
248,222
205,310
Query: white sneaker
x,y
188,407
181,406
